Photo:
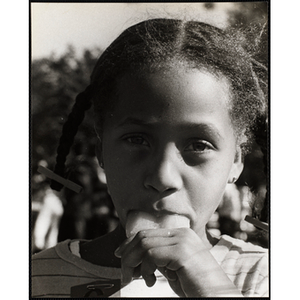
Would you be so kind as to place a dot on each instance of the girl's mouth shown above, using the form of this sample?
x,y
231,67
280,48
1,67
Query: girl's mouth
x,y
140,220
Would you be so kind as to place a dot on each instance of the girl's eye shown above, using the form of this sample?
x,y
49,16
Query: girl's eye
x,y
138,140
199,146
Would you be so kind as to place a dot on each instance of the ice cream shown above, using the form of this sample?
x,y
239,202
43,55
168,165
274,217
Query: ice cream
x,y
139,220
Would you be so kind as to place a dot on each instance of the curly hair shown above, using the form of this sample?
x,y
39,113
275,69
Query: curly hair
x,y
160,43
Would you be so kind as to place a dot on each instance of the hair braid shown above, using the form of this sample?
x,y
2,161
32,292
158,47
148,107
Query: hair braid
x,y
82,103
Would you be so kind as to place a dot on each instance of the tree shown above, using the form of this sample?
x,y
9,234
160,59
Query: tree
x,y
55,82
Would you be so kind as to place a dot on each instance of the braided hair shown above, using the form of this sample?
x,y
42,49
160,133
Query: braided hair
x,y
83,102
158,44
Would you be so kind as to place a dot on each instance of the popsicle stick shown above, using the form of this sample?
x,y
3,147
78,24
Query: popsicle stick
x,y
67,183
257,223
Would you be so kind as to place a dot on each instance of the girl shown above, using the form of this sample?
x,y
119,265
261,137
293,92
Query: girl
x,y
176,105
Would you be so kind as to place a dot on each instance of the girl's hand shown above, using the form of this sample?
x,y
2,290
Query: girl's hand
x,y
181,256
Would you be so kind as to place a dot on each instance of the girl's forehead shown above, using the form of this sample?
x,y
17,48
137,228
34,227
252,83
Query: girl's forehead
x,y
175,84
173,97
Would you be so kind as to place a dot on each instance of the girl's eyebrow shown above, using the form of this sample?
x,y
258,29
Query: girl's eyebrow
x,y
208,128
132,121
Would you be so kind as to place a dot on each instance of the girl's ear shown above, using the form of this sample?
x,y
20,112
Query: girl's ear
x,y
237,167
99,153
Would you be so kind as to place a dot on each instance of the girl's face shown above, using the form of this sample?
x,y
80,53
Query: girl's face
x,y
169,146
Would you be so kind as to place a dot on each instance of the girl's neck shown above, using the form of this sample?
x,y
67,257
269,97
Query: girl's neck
x,y
100,251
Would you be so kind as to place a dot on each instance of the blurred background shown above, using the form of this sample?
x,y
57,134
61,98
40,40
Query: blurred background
x,y
66,41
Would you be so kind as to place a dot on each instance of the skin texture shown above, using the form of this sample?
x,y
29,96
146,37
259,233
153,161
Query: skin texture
x,y
169,148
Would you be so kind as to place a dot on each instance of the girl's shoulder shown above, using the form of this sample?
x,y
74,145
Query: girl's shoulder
x,y
246,264
55,271
239,257
241,245
229,250
67,254
60,250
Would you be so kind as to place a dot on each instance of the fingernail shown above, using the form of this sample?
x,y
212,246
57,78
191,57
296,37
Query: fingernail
x,y
117,252
171,275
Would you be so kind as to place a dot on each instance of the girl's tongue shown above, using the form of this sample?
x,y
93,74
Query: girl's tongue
x,y
139,220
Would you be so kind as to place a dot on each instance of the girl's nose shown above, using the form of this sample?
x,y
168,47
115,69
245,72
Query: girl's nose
x,y
164,172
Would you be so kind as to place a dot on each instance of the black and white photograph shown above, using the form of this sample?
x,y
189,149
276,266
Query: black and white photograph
x,y
150,149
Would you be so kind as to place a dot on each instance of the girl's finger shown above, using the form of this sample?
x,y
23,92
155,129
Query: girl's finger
x,y
149,259
147,271
170,275
163,256
118,251
137,256
150,279
137,272
133,256
133,241
127,274
174,283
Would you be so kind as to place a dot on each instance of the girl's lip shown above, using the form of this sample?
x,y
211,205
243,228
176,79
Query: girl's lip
x,y
141,220
157,214
161,214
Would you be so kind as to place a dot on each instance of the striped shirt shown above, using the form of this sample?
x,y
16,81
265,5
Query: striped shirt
x,y
56,270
